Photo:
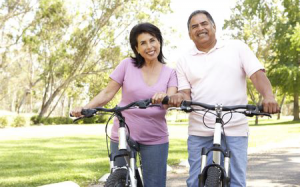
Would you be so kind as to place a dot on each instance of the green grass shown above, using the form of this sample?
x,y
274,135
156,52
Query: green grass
x,y
177,151
31,162
34,162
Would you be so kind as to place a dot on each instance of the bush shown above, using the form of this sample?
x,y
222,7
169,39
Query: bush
x,y
3,122
51,120
35,120
66,120
19,121
94,119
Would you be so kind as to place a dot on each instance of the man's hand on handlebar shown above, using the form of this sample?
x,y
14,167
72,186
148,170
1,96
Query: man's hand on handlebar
x,y
270,105
176,100
76,112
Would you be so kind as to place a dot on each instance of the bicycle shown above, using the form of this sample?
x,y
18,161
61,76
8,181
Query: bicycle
x,y
215,174
130,174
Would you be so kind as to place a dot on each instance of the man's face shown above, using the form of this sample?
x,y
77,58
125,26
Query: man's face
x,y
202,31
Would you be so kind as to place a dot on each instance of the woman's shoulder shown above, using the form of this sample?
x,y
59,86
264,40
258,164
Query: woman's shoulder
x,y
127,61
168,68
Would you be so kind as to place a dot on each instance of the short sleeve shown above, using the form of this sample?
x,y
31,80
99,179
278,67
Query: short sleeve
x,y
119,73
173,79
249,61
183,82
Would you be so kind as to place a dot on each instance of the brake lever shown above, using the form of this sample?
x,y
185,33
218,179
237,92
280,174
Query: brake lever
x,y
143,104
256,113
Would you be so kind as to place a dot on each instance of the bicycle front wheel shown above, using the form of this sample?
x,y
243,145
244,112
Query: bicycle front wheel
x,y
117,179
213,177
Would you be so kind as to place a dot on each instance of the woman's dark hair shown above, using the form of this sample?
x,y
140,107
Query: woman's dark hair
x,y
151,29
200,12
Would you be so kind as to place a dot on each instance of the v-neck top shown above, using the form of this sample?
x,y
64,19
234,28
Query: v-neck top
x,y
147,126
157,81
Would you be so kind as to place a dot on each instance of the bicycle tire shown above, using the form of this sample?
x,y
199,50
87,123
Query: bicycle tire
x,y
117,179
213,177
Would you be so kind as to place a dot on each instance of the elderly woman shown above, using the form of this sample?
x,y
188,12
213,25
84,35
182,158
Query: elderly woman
x,y
143,76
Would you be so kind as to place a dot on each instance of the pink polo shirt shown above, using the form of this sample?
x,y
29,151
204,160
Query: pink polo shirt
x,y
147,126
218,77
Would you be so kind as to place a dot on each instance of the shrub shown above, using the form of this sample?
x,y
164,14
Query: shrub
x,y
94,119
3,122
66,120
19,121
58,120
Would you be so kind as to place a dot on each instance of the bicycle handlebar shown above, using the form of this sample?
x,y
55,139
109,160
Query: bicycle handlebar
x,y
142,104
250,110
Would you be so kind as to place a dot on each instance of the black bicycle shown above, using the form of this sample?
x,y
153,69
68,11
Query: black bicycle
x,y
130,174
217,174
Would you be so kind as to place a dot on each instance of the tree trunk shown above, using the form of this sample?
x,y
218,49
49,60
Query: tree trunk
x,y
281,104
259,103
46,106
296,106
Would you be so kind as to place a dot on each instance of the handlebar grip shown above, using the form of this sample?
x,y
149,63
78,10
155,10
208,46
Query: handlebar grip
x,y
165,101
88,112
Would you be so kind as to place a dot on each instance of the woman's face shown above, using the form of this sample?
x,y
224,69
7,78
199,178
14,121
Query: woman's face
x,y
148,46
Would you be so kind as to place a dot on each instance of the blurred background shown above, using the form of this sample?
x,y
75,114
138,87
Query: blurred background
x,y
58,54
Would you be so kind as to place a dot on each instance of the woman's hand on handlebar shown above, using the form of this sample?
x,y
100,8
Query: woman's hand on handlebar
x,y
76,112
158,97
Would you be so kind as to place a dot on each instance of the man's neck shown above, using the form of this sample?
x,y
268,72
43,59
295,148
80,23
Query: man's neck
x,y
207,47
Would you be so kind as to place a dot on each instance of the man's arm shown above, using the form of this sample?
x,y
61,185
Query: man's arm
x,y
176,99
263,86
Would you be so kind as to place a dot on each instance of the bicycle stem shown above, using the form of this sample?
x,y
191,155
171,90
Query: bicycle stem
x,y
217,134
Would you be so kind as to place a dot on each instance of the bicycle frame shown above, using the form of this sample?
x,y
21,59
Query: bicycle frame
x,y
126,151
218,174
128,148
217,151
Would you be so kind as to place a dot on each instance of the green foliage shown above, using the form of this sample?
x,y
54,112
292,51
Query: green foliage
x,y
3,122
73,48
271,29
66,120
51,120
295,38
94,120
19,121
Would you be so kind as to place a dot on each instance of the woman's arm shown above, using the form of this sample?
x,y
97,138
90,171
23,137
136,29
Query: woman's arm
x,y
101,99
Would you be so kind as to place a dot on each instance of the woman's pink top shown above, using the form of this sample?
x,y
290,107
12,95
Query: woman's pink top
x,y
147,126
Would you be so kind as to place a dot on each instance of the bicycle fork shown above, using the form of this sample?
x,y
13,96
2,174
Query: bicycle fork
x,y
217,153
130,157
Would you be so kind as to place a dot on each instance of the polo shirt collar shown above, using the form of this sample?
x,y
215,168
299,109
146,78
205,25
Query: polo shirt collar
x,y
195,51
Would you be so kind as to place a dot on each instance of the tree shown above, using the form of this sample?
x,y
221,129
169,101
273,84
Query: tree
x,y
285,69
70,47
13,16
265,26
